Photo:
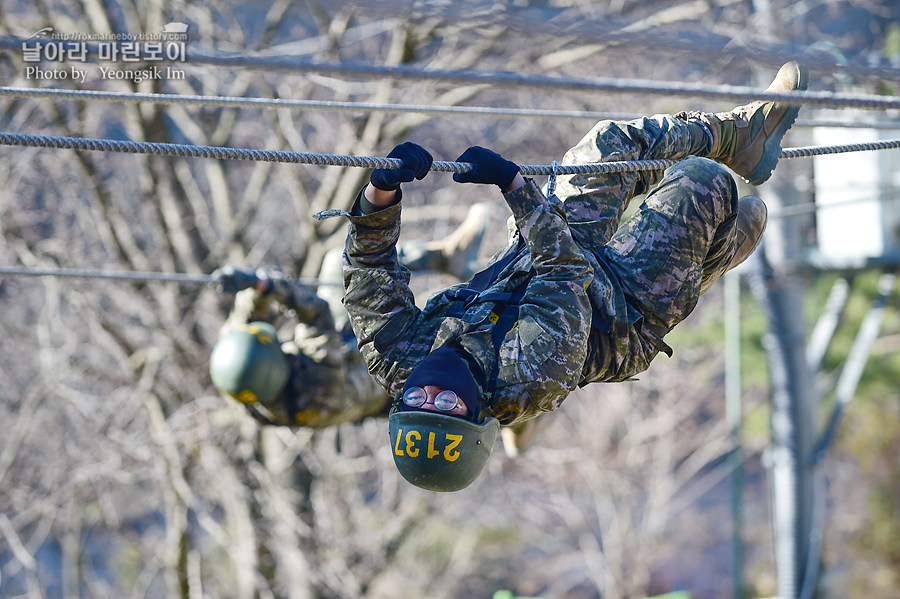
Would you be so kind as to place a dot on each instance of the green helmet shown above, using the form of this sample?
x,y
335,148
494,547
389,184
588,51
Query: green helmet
x,y
439,452
247,363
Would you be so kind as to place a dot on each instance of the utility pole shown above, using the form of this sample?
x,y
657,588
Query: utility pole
x,y
780,291
734,416
792,393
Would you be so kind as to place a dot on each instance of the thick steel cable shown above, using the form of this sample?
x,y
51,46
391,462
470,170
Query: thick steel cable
x,y
239,102
256,102
138,276
533,80
227,153
182,150
105,274
807,151
607,84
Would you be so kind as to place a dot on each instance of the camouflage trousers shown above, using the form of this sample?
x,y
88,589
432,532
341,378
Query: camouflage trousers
x,y
682,235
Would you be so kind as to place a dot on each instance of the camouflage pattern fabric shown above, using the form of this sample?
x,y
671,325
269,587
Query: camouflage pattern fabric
x,y
599,299
329,383
650,269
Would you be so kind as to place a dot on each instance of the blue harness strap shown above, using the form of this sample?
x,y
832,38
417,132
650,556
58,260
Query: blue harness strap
x,y
505,312
474,291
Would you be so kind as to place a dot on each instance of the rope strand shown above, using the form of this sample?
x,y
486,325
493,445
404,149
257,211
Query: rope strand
x,y
256,102
807,151
507,78
140,276
228,153
108,145
515,79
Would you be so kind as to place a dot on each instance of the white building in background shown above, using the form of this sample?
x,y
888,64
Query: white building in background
x,y
857,195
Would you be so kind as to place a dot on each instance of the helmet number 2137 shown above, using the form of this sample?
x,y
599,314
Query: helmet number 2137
x,y
411,438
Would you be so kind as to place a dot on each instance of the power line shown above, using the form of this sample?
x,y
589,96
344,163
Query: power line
x,y
257,102
228,153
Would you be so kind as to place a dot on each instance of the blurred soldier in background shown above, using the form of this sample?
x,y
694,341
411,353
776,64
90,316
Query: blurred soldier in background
x,y
575,298
318,378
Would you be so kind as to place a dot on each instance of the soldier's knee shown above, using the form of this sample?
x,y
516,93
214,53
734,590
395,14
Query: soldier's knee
x,y
604,138
702,169
708,174
572,156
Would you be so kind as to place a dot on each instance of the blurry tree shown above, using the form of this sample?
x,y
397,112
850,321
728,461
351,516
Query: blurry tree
x,y
116,434
120,459
123,473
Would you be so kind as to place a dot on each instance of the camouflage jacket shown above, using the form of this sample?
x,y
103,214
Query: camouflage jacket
x,y
576,325
329,383
540,359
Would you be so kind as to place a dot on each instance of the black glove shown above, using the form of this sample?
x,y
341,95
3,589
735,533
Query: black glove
x,y
487,167
229,279
416,164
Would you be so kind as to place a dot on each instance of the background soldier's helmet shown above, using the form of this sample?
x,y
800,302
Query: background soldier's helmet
x,y
247,363
439,452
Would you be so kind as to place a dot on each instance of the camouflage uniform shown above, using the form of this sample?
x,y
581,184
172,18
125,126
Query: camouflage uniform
x,y
597,301
328,383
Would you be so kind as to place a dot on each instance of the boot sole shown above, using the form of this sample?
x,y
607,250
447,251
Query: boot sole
x,y
772,149
772,146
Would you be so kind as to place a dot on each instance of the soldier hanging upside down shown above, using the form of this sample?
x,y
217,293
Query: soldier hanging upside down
x,y
318,378
573,300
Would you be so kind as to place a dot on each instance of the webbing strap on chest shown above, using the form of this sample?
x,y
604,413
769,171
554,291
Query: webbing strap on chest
x,y
505,312
474,291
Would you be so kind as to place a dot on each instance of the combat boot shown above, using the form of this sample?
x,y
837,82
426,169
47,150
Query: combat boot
x,y
458,253
748,139
752,216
